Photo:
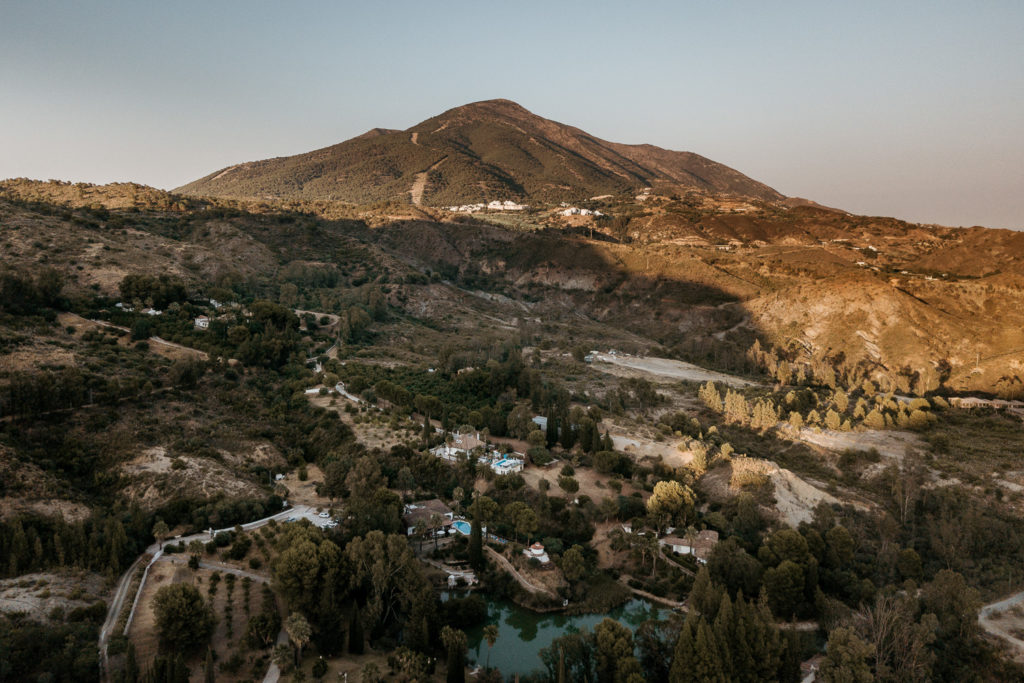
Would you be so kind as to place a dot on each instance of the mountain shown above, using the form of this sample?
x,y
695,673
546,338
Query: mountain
x,y
487,150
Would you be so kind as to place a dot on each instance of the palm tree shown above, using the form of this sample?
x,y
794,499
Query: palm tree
x,y
435,524
691,537
491,636
654,548
420,528
299,632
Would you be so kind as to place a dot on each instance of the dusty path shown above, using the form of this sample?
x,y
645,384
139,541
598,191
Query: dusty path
x,y
507,566
73,318
419,184
651,597
988,619
665,368
415,138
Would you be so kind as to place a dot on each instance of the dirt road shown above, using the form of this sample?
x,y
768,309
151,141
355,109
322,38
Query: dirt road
x,y
419,183
507,566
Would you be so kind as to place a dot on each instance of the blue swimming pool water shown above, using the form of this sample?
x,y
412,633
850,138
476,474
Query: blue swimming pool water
x,y
462,527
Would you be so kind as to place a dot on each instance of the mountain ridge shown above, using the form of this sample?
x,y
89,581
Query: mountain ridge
x,y
493,149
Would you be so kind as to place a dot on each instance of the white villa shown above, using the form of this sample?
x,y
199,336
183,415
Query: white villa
x,y
202,322
424,511
463,444
700,546
507,465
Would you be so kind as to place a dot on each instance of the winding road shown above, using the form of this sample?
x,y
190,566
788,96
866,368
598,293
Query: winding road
x,y
988,614
155,552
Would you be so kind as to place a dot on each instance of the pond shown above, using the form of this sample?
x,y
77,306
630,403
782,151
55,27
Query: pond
x,y
522,633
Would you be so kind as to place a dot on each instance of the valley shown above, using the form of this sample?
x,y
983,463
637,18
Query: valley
x,y
408,424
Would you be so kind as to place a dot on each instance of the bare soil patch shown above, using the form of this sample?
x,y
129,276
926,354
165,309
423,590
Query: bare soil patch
x,y
38,595
890,443
663,369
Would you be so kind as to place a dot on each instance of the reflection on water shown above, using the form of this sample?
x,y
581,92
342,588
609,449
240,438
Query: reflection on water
x,y
522,633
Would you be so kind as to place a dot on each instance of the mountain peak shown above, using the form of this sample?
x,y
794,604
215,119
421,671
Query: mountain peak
x,y
491,149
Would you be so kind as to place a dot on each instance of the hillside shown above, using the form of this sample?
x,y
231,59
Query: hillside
x,y
478,152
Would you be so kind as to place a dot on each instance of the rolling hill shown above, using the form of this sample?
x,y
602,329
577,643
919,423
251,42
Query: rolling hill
x,y
487,150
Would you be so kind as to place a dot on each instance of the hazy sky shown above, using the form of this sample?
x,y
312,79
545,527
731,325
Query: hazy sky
x,y
911,108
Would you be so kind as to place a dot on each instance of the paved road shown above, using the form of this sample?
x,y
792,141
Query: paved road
x,y
154,552
987,614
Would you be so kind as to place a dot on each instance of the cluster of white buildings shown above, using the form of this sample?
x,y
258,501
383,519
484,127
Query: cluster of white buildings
x,y
576,211
496,205
461,446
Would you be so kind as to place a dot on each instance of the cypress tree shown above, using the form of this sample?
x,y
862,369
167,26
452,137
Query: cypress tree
x,y
179,672
210,676
551,434
707,664
476,546
355,633
683,658
608,445
725,632
131,665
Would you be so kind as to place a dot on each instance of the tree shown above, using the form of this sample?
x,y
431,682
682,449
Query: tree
x,y
454,641
568,484
284,657
491,636
785,587
484,509
355,633
613,653
846,660
209,675
184,621
161,531
476,549
671,502
299,632
522,518
574,566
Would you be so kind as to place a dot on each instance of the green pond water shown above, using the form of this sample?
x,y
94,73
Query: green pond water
x,y
522,633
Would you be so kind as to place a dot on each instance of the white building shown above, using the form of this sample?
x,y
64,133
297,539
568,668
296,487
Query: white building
x,y
202,322
700,546
537,552
507,465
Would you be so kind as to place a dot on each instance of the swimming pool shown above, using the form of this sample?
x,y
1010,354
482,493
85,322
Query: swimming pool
x,y
462,526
